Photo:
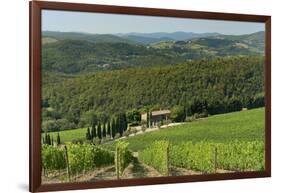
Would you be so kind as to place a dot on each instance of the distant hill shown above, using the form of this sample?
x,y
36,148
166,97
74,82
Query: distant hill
x,y
171,36
77,56
74,53
255,40
219,45
47,40
96,38
145,40
132,38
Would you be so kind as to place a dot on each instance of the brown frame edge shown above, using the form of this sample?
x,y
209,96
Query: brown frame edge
x,y
35,8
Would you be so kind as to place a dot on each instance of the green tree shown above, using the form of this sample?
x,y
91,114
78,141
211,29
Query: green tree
x,y
88,134
108,128
47,139
93,132
133,116
177,113
58,139
52,141
234,104
123,122
113,128
104,130
147,118
150,118
118,128
99,132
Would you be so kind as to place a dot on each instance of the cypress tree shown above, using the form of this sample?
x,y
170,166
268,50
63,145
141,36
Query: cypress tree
x,y
45,138
48,139
58,139
52,141
150,119
93,132
113,128
124,122
120,124
99,131
104,130
108,128
88,134
147,118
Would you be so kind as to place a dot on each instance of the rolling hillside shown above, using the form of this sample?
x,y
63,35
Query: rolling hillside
x,y
177,36
243,125
79,53
219,45
95,38
218,86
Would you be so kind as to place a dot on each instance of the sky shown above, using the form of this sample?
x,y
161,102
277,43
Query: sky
x,y
101,23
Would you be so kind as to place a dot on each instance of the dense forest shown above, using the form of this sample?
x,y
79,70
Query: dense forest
x,y
209,86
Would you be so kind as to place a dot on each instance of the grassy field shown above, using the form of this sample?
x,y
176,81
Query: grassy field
x,y
244,125
69,135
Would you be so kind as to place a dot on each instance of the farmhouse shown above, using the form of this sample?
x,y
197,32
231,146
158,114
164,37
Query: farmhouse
x,y
156,116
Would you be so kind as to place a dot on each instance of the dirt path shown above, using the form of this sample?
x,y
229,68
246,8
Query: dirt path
x,y
136,169
176,171
139,170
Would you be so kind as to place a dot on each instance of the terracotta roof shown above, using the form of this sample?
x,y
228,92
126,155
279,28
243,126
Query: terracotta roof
x,y
161,112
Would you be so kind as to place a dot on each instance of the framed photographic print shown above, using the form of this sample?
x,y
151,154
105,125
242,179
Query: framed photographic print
x,y
123,96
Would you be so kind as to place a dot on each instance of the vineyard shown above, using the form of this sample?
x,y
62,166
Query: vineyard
x,y
233,144
75,159
203,157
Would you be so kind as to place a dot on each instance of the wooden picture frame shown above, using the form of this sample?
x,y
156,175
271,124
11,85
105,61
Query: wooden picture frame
x,y
35,94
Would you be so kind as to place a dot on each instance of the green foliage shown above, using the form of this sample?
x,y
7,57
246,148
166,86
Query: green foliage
x,y
178,113
157,156
198,86
236,155
195,156
93,132
57,125
147,118
241,156
58,139
244,125
133,116
88,134
103,157
103,130
84,157
75,52
108,128
122,157
99,134
81,157
47,139
52,158
256,101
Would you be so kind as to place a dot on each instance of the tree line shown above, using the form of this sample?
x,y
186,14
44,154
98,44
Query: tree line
x,y
48,140
117,125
